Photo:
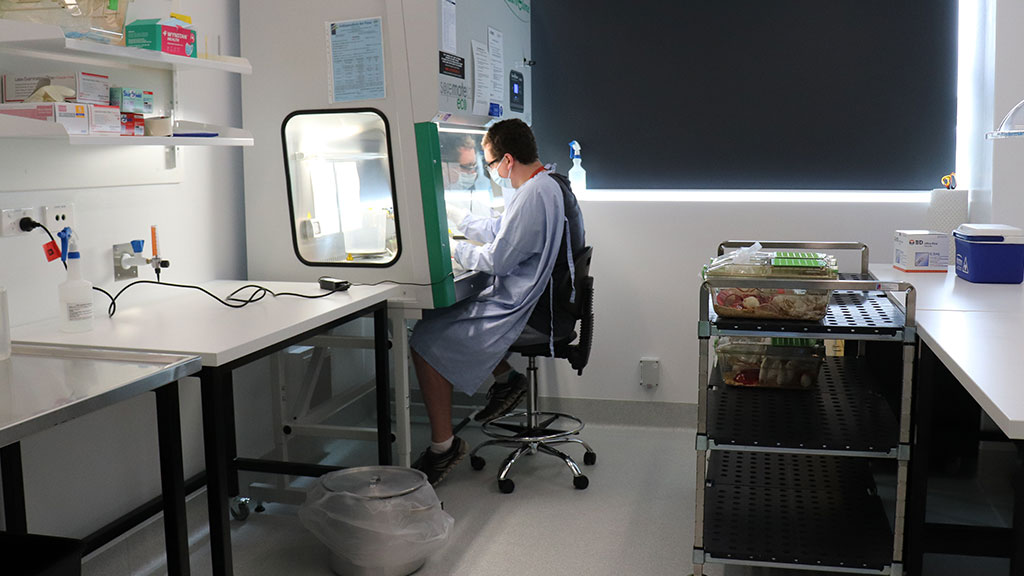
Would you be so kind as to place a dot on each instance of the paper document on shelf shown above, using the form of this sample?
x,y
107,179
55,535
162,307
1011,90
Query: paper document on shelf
x,y
496,49
448,38
356,49
481,79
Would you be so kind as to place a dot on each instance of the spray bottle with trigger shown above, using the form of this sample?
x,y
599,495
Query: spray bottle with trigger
x,y
577,175
75,293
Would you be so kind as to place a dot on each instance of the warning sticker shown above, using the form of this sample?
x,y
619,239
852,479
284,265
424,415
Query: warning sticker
x,y
452,65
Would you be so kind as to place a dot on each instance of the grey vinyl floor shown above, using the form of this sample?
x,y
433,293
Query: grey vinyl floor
x,y
635,518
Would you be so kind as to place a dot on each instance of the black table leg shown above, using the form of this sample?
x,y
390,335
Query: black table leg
x,y
172,479
380,347
1017,554
215,444
228,389
921,432
15,518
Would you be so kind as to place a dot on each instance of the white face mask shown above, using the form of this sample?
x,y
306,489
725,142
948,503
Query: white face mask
x,y
503,182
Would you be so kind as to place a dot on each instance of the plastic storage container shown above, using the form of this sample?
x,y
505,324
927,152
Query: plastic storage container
x,y
770,363
989,253
376,520
783,304
99,20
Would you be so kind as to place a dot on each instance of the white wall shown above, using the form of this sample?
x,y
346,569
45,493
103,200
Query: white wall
x,y
87,472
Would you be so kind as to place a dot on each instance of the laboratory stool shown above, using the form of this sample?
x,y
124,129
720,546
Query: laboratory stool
x,y
536,431
38,555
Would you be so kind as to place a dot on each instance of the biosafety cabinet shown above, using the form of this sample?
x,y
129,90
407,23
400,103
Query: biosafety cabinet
x,y
367,117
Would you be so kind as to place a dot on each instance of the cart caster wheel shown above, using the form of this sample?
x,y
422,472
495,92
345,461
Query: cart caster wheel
x,y
580,482
259,508
590,458
506,486
477,462
239,508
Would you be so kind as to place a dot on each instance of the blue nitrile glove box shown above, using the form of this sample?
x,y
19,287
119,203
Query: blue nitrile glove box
x,y
990,253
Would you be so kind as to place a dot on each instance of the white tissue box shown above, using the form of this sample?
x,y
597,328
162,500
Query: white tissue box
x,y
920,251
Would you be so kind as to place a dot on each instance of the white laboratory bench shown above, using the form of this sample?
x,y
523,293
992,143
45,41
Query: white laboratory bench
x,y
973,328
43,386
189,322
968,332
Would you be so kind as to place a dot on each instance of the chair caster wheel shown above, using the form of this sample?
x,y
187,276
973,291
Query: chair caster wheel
x,y
259,507
580,482
477,462
506,486
239,508
590,458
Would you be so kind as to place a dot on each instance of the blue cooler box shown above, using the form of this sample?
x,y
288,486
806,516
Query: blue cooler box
x,y
990,253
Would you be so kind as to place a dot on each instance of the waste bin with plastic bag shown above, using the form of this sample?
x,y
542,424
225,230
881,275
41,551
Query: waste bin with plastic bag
x,y
379,520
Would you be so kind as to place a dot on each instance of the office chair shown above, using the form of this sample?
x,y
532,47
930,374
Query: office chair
x,y
535,431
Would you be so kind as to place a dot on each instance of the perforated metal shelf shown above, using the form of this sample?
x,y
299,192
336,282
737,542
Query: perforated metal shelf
x,y
851,314
841,415
791,471
816,512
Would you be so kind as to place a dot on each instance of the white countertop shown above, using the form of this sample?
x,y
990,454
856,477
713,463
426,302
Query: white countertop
x,y
974,331
938,291
190,322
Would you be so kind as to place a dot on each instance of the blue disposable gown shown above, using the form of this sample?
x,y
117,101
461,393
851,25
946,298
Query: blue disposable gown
x,y
466,341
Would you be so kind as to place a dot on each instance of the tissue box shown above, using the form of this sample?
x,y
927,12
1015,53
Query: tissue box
x,y
132,100
920,251
168,35
990,253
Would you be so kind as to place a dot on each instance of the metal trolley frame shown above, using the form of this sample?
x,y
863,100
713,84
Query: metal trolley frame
x,y
793,490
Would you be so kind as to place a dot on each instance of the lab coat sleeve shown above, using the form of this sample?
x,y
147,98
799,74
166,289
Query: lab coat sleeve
x,y
479,228
521,234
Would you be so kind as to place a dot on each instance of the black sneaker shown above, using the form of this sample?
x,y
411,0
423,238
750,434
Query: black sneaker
x,y
437,466
503,398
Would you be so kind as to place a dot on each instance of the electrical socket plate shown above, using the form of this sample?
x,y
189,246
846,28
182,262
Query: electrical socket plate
x,y
649,372
9,223
57,216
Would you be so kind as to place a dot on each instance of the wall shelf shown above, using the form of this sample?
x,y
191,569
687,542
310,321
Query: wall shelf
x,y
14,127
47,41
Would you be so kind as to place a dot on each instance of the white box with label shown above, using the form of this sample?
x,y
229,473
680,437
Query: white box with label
x,y
104,119
920,251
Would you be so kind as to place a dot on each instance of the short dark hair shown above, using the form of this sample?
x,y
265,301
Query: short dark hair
x,y
513,137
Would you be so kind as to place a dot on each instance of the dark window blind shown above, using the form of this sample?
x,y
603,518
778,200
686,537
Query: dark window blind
x,y
761,94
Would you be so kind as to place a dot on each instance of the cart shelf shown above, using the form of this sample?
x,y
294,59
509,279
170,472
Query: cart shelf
x,y
853,315
785,510
841,415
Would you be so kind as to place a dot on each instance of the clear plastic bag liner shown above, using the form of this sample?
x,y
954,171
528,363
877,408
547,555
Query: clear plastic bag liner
x,y
377,532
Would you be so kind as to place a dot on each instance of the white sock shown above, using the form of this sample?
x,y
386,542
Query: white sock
x,y
441,447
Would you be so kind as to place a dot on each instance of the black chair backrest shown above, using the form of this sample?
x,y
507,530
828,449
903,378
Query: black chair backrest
x,y
582,309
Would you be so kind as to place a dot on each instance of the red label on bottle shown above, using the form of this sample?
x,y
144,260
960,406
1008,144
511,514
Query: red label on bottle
x,y
52,251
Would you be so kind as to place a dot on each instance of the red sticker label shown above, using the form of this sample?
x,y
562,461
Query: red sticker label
x,y
52,251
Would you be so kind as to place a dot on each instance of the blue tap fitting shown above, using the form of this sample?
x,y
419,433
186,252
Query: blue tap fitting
x,y
137,245
65,237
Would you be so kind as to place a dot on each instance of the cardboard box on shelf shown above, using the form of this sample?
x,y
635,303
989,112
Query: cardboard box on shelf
x,y
104,119
132,100
168,35
18,87
73,116
93,88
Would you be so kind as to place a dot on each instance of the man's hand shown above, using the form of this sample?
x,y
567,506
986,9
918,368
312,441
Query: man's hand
x,y
455,214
